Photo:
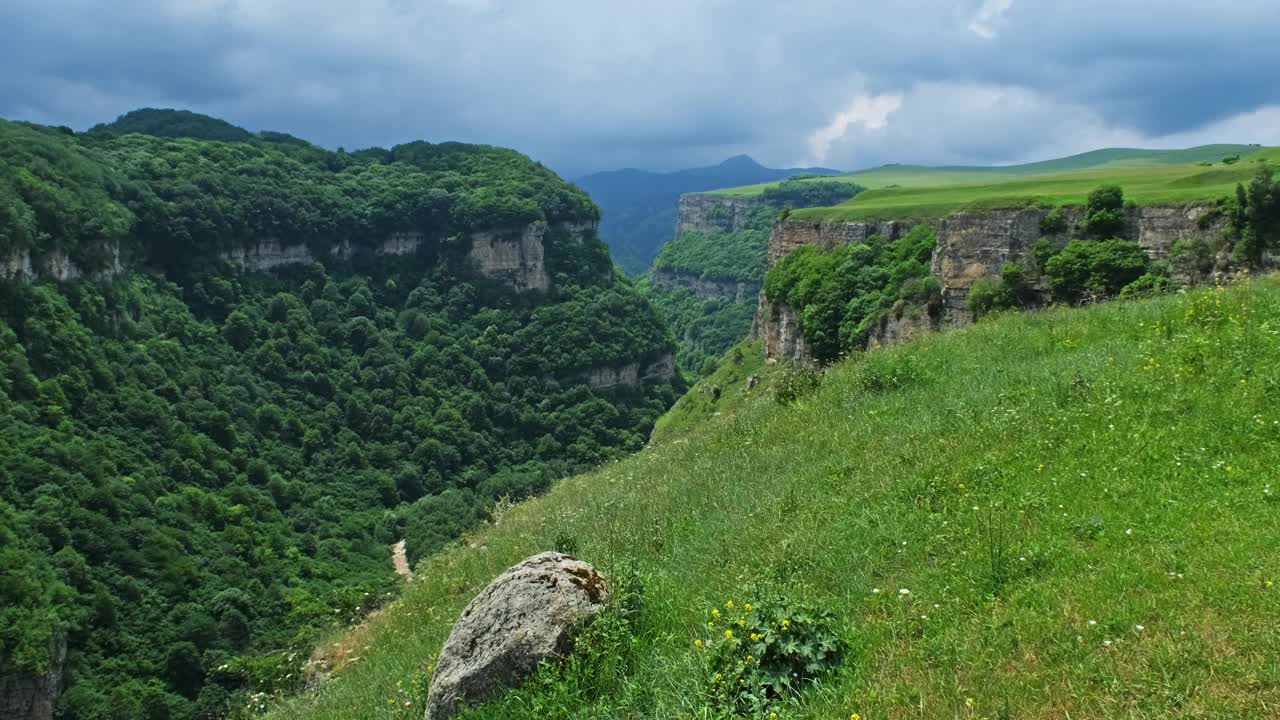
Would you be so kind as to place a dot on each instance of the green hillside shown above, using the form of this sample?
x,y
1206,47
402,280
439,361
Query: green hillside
x,y
1111,158
1060,514
1143,185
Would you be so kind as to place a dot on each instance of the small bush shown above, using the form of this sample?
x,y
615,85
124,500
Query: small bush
x,y
1104,212
886,371
1095,268
1146,286
1191,259
762,655
796,382
1055,223
986,296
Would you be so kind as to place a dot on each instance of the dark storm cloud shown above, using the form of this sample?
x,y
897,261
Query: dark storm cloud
x,y
584,84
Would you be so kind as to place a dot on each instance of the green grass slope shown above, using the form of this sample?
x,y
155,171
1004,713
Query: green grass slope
x,y
1069,513
1112,158
1145,185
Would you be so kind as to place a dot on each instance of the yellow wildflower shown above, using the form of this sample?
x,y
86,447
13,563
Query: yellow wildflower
x,y
715,612
729,604
697,643
728,634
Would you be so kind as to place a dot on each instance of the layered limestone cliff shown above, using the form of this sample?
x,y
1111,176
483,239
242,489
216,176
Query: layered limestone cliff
x,y
710,213
33,695
735,290
971,245
514,256
660,369
55,265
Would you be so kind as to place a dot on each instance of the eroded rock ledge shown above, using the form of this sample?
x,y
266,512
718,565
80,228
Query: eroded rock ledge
x,y
971,246
736,290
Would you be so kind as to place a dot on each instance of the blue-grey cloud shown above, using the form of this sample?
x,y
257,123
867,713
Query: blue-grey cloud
x,y
583,84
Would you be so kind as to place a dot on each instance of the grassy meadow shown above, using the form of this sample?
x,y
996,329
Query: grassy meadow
x,y
1064,514
1148,177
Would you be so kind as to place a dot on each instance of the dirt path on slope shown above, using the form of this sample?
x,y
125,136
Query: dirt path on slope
x,y
400,562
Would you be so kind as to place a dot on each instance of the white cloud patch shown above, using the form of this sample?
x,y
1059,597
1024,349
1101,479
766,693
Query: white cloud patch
x,y
986,23
870,112
945,123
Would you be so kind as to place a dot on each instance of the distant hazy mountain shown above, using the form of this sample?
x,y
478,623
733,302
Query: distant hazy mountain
x,y
640,206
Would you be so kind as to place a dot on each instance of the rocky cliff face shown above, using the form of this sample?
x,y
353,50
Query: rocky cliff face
x,y
32,695
660,369
709,213
514,256
971,246
54,265
735,290
974,245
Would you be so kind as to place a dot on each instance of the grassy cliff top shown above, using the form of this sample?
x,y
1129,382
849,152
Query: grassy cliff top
x,y
1148,177
1061,513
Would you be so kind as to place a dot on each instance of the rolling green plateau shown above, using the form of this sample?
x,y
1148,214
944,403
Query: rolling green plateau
x,y
1054,514
202,468
930,196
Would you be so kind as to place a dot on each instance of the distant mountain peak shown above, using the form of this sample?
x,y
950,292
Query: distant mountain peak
x,y
741,162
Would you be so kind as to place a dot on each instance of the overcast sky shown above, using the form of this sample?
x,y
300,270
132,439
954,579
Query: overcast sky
x,y
662,84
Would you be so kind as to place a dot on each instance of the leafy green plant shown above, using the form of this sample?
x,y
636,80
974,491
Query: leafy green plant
x,y
794,383
1054,223
1146,286
1095,268
1104,212
763,654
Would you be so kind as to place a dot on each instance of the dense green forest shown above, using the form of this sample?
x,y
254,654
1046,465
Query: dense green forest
x,y
706,327
201,469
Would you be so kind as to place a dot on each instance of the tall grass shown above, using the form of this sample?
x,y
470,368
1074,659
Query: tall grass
x,y
1063,514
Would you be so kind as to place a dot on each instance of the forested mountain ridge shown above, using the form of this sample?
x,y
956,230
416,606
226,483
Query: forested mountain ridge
x,y
201,468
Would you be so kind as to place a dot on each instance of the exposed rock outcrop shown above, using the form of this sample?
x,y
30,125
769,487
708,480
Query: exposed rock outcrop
x,y
789,234
55,265
971,245
902,325
777,326
707,212
269,254
660,369
527,615
33,695
516,256
736,290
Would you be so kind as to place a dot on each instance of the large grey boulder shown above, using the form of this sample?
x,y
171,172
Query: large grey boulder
x,y
527,615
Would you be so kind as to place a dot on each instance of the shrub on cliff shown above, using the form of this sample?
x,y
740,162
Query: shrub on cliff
x,y
1257,217
1104,212
1087,269
840,294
